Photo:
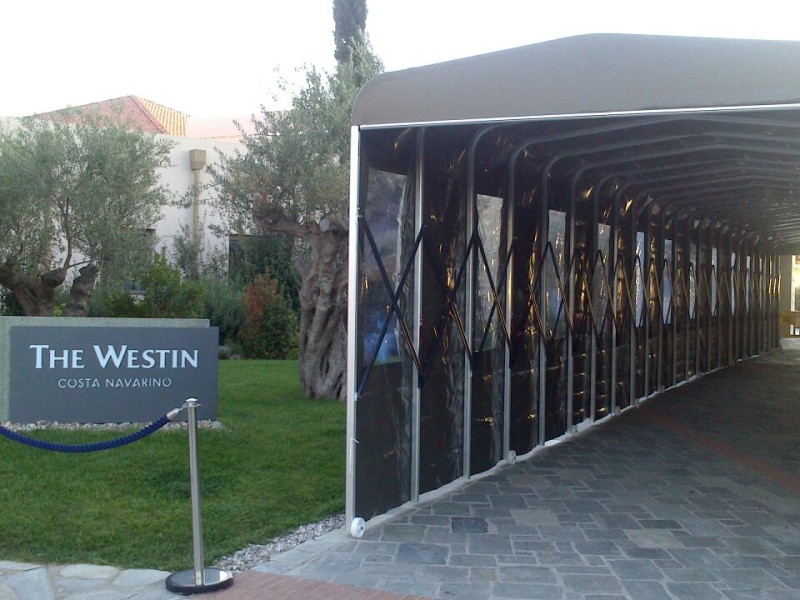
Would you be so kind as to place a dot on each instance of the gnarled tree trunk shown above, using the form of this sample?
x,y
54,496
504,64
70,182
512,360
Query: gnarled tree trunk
x,y
36,295
81,292
323,318
323,305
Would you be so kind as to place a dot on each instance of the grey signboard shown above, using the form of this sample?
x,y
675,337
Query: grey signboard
x,y
110,374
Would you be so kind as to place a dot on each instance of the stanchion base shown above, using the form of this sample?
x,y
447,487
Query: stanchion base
x,y
185,582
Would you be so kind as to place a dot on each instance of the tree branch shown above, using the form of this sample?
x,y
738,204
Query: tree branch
x,y
68,237
273,219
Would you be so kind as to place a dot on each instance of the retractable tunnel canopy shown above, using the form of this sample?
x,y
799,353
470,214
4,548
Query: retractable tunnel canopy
x,y
544,236
587,75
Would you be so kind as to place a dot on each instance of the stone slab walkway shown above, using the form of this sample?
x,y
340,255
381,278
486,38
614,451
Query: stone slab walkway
x,y
22,581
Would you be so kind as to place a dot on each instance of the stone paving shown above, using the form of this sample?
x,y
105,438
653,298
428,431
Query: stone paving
x,y
694,495
22,581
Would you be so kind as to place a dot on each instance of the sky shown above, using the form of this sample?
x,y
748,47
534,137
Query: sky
x,y
224,59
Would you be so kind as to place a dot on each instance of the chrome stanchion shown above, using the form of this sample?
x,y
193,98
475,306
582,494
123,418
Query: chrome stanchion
x,y
199,579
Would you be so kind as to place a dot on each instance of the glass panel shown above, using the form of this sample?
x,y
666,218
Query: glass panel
x,y
600,290
601,294
488,364
714,274
554,272
386,346
666,284
733,282
384,196
441,435
525,329
383,426
692,280
490,212
639,279
748,284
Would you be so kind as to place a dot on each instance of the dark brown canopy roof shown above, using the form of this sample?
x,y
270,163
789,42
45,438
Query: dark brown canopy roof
x,y
587,75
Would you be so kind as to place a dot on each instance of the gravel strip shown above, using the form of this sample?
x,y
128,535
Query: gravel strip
x,y
256,554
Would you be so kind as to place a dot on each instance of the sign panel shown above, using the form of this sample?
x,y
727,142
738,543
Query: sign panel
x,y
110,374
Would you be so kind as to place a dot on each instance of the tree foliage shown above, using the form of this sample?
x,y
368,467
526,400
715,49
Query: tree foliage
x,y
293,178
75,201
253,255
350,21
294,169
224,307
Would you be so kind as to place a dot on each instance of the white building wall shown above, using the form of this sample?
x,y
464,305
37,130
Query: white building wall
x,y
179,178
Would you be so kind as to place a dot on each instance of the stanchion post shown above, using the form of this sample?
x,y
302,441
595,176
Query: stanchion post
x,y
194,482
199,579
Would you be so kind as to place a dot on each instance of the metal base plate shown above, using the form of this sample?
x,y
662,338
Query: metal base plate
x,y
185,582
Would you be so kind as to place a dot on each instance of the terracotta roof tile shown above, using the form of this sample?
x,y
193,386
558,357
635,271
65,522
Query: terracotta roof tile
x,y
173,122
136,113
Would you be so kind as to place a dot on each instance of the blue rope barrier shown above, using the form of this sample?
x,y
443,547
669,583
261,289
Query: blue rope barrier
x,y
94,447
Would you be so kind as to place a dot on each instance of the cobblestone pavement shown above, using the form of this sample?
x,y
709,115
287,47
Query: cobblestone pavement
x,y
694,495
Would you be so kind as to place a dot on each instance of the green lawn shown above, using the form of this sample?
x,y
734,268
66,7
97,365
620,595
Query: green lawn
x,y
277,463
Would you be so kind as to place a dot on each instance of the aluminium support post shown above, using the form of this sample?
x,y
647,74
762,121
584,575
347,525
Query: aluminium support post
x,y
416,394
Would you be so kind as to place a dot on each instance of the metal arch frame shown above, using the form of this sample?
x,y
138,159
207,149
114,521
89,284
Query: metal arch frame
x,y
647,203
711,288
472,222
509,308
592,255
612,273
688,205
689,213
542,228
632,358
416,394
751,351
352,327
721,276
358,234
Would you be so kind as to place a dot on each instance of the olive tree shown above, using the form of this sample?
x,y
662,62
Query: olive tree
x,y
293,178
75,202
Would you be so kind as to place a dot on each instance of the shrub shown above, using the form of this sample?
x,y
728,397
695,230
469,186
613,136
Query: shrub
x,y
273,254
270,328
164,295
224,307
